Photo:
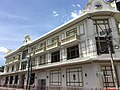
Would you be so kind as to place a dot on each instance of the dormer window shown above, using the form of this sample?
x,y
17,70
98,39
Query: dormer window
x,y
27,39
97,5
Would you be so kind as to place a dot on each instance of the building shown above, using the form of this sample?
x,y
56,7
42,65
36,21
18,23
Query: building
x,y
73,56
1,71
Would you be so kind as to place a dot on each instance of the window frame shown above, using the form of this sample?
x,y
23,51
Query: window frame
x,y
70,71
55,56
107,74
59,79
83,29
24,54
23,66
102,41
32,79
42,60
13,67
70,51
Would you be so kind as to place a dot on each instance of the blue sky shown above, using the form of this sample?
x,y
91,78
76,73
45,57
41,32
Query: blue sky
x,y
19,18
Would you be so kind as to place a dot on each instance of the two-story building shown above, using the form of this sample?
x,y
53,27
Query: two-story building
x,y
73,56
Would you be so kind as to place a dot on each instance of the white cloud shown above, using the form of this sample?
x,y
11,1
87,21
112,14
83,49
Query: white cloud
x,y
9,15
3,49
55,13
79,5
73,5
75,13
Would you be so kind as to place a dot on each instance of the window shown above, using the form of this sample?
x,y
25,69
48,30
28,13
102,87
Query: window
x,y
6,80
108,80
71,32
19,57
118,5
55,39
82,31
74,77
16,79
42,60
32,80
11,80
17,67
12,68
52,40
102,46
34,63
41,45
101,43
33,48
62,35
48,41
55,77
8,69
55,56
24,54
24,64
72,52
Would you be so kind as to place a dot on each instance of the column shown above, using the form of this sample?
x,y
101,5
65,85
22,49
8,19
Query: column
x,y
63,54
5,69
20,60
48,57
37,60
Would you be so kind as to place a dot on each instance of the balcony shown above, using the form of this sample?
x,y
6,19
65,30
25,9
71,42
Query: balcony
x,y
52,45
11,61
69,39
32,53
40,50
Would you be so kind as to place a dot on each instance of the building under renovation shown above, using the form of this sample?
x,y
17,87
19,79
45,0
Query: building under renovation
x,y
82,54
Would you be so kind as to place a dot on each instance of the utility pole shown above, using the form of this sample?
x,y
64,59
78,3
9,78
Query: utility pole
x,y
108,38
29,73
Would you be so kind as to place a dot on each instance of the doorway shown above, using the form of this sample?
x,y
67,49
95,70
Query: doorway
x,y
42,84
22,81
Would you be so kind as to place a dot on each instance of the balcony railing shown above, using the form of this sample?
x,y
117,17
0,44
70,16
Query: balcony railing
x,y
52,45
11,61
40,50
69,39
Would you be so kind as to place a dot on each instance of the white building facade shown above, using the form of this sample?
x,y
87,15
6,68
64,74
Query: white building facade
x,y
74,56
